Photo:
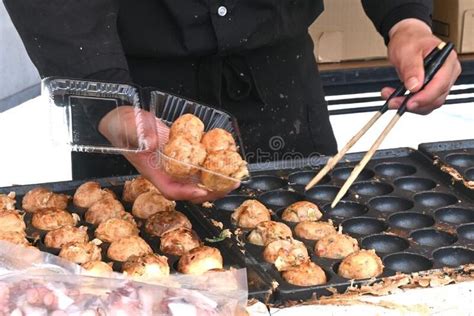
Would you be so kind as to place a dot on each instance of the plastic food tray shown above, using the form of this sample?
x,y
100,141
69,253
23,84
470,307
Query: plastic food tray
x,y
458,155
258,287
401,206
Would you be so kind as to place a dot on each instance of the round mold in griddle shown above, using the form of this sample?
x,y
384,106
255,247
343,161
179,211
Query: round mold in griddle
x,y
345,209
469,175
363,226
460,160
265,183
322,193
385,243
407,262
394,169
390,204
230,203
304,177
455,215
435,199
279,198
371,188
433,237
466,231
410,220
415,184
453,256
343,173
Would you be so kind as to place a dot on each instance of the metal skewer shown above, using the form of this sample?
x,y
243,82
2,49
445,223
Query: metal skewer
x,y
400,91
445,50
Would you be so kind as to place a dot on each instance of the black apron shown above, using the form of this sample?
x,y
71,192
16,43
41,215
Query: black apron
x,y
274,92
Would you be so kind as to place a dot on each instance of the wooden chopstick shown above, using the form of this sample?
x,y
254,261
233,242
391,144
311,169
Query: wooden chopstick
x,y
400,91
442,55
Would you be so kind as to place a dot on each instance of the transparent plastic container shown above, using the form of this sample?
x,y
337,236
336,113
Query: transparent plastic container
x,y
76,107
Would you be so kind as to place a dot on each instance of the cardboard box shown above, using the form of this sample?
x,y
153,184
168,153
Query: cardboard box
x,y
344,32
453,20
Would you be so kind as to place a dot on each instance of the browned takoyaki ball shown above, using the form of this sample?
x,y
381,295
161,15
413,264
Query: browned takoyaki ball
x,y
135,187
104,209
218,139
179,241
52,218
182,157
64,235
314,230
163,222
39,198
7,201
90,192
285,253
17,238
150,267
362,264
122,249
301,211
11,221
336,246
114,229
187,126
305,274
97,268
225,163
250,213
150,203
269,231
80,252
200,260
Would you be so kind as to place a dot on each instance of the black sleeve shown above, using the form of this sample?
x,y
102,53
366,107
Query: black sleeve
x,y
71,38
386,13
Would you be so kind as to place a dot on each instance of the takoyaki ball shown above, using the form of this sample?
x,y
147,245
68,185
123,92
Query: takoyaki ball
x,y
80,252
250,213
336,246
179,241
285,253
123,248
150,203
305,274
104,209
218,139
163,222
52,218
200,260
11,221
64,235
135,187
114,229
182,157
269,231
362,264
314,230
17,238
39,198
7,201
90,192
301,211
97,268
187,126
223,163
149,267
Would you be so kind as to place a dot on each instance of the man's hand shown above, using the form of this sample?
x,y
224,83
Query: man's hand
x,y
410,41
120,127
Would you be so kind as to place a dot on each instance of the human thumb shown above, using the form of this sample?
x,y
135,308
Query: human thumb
x,y
412,72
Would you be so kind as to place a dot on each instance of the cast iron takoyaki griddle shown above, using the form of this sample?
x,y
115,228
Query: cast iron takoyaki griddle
x,y
401,205
258,288
458,155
